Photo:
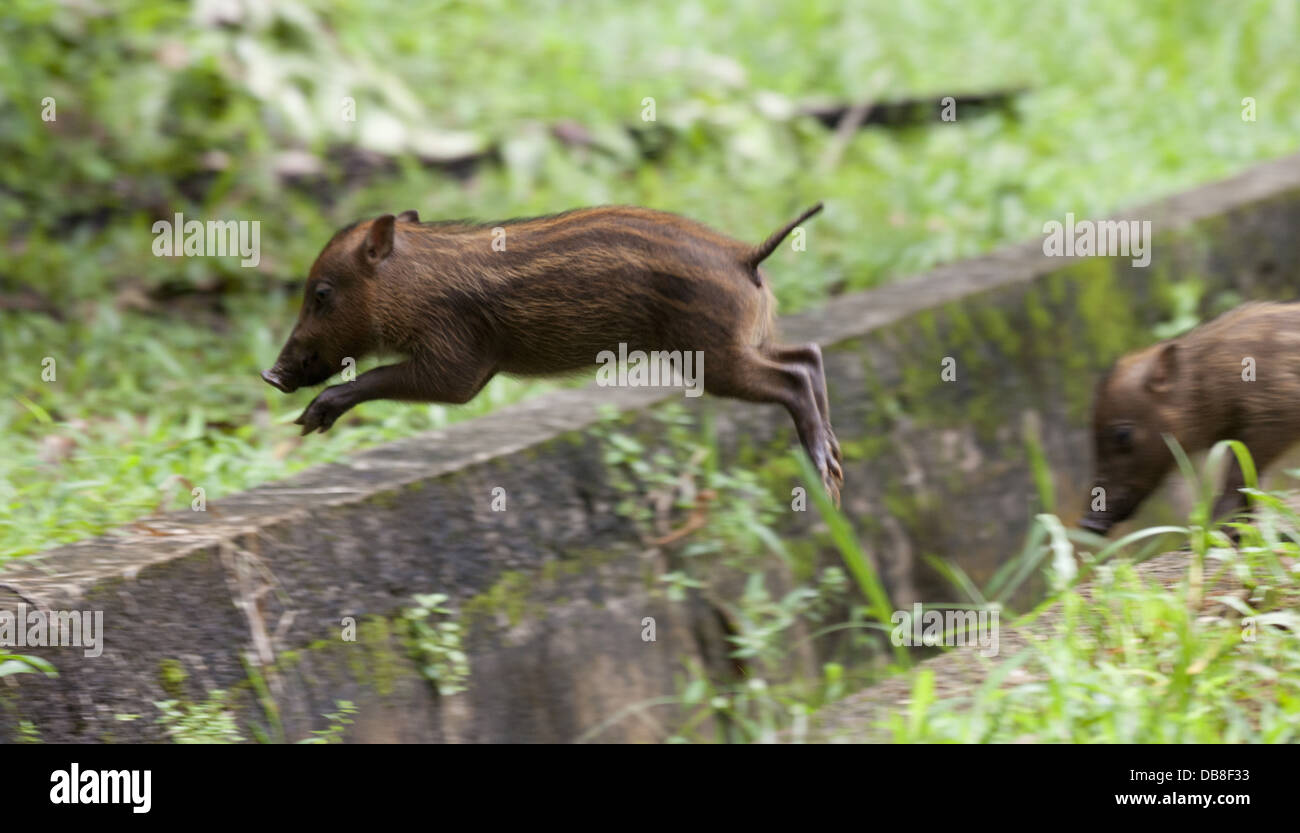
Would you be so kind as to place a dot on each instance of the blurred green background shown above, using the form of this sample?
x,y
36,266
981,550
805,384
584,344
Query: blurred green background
x,y
496,108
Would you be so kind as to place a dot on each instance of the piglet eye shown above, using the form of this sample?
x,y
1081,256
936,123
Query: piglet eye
x,y
322,292
1122,437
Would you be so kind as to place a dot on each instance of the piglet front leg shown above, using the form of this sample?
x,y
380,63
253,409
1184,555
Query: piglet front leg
x,y
409,381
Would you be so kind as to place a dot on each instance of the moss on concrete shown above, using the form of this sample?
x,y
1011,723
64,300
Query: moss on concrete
x,y
171,677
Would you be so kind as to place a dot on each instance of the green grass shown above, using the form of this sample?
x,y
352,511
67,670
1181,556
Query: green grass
x,y
1110,655
1127,102
1134,660
1137,662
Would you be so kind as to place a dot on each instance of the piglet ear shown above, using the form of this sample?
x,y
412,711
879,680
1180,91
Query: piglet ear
x,y
1163,373
409,216
379,240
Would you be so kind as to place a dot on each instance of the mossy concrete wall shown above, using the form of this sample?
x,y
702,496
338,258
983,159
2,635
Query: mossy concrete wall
x,y
255,596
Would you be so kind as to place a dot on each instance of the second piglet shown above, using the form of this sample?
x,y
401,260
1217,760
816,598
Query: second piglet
x,y
461,302
1237,377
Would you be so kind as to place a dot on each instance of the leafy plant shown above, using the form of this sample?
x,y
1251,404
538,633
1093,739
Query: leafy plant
x,y
28,733
24,664
721,523
436,646
339,721
209,722
1134,661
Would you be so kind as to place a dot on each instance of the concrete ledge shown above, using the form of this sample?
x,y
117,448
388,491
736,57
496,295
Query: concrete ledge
x,y
552,592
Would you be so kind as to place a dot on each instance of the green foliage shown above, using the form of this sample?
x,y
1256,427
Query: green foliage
x,y
125,431
24,664
436,646
1125,660
161,109
28,733
1133,661
667,485
339,721
763,623
855,558
208,722
664,484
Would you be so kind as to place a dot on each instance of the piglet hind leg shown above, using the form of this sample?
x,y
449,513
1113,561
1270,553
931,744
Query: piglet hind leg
x,y
751,376
810,356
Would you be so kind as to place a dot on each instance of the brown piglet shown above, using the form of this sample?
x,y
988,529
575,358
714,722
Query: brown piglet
x,y
1235,378
461,302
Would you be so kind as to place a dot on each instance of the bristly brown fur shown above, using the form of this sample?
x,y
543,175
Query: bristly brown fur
x,y
541,296
1193,388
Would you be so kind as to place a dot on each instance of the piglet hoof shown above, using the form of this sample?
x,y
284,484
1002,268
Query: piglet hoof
x,y
321,414
832,477
833,473
834,446
832,485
